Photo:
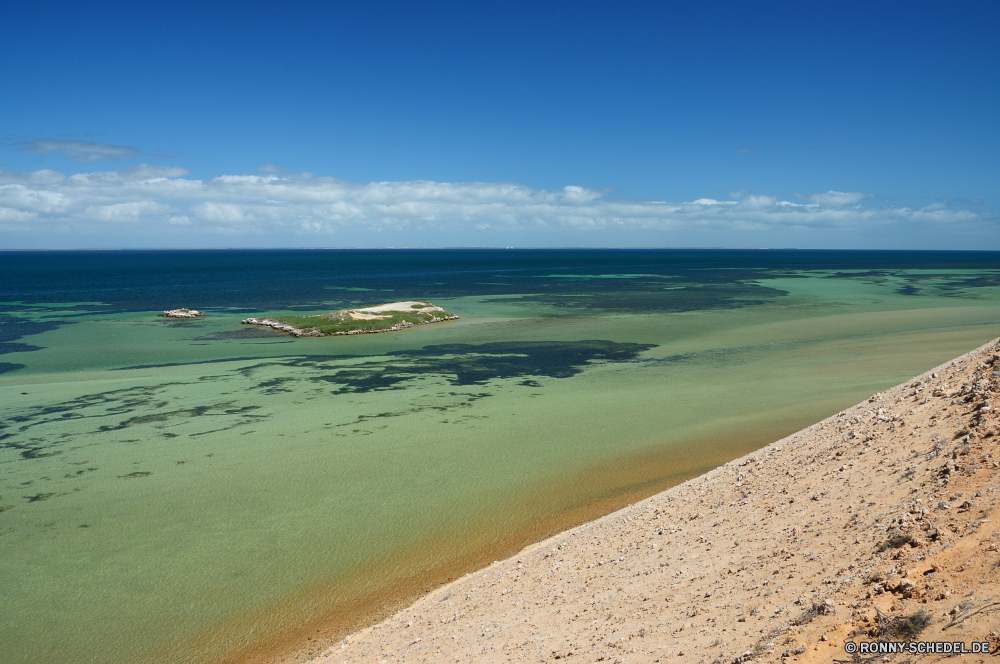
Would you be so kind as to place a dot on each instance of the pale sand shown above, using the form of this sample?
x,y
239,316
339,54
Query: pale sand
x,y
355,315
724,567
400,306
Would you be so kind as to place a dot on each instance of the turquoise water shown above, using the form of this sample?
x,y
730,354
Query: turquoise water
x,y
196,491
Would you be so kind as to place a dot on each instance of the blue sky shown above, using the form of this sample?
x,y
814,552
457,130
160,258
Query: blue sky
x,y
855,125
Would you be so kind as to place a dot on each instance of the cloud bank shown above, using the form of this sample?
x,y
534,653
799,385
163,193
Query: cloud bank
x,y
155,201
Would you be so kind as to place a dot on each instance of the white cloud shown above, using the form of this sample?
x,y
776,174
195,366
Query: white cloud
x,y
13,215
138,173
711,201
33,200
118,212
837,198
222,213
79,150
155,199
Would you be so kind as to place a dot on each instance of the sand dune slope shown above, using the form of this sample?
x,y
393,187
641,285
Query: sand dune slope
x,y
785,553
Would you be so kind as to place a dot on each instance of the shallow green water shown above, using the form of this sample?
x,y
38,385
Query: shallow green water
x,y
183,491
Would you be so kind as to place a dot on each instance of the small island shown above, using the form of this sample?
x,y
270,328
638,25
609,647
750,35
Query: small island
x,y
390,317
182,313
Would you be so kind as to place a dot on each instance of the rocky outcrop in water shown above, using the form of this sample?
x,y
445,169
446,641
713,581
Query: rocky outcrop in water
x,y
182,313
313,332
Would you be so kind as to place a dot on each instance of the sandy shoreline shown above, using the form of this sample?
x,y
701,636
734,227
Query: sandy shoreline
x,y
784,553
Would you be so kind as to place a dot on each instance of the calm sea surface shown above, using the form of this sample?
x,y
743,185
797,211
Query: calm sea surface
x,y
201,491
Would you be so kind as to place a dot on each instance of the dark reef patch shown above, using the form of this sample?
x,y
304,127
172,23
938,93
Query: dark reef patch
x,y
947,284
28,450
274,386
112,402
463,401
71,476
226,408
16,430
6,367
7,347
222,360
653,293
475,364
13,328
39,497
246,332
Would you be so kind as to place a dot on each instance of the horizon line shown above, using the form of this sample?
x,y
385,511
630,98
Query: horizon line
x,y
484,247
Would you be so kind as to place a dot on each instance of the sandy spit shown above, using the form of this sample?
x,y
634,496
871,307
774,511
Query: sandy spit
x,y
844,531
408,305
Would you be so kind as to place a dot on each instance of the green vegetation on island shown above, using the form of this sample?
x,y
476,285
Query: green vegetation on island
x,y
367,320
